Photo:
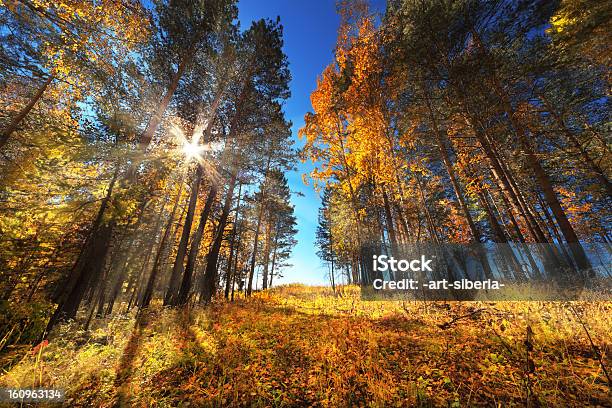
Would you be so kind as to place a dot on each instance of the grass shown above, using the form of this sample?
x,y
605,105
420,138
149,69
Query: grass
x,y
304,346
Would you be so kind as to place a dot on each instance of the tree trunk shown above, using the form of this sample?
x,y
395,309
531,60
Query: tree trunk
x,y
257,230
148,251
554,231
254,254
195,247
210,275
120,263
91,266
532,223
433,233
148,294
101,297
153,124
500,238
551,198
274,257
228,276
12,127
235,268
389,223
267,254
177,269
230,260
331,259
402,220
442,148
87,264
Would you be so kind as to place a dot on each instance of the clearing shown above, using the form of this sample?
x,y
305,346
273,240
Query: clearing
x,y
303,346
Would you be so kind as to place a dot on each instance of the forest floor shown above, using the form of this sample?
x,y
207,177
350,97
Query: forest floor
x,y
304,346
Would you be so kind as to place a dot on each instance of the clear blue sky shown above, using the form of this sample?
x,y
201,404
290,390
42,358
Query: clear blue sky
x,y
310,29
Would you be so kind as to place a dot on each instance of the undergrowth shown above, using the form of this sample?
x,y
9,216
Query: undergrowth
x,y
306,346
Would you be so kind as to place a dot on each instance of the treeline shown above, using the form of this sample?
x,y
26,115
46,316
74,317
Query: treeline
x,y
466,121
142,156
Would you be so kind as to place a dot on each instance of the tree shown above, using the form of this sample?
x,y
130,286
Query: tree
x,y
402,113
177,43
324,237
69,44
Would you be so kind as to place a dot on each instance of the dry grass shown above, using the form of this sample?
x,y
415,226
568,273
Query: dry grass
x,y
303,346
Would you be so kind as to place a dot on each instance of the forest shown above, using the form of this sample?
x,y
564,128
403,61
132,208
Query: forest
x,y
466,123
148,143
147,214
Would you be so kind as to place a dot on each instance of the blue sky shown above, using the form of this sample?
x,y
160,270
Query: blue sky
x,y
310,29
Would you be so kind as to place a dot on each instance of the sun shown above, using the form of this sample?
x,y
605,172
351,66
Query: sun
x,y
192,150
